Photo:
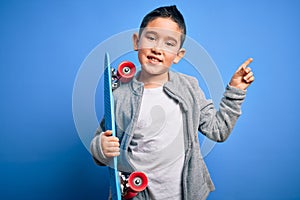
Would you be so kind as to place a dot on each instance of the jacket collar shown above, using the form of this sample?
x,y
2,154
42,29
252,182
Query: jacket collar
x,y
173,87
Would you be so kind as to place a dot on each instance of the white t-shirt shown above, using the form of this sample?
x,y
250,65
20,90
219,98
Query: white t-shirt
x,y
157,147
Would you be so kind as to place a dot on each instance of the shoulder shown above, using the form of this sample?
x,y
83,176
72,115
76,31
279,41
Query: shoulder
x,y
185,86
182,80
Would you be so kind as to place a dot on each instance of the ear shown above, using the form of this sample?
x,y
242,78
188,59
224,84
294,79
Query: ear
x,y
179,55
135,40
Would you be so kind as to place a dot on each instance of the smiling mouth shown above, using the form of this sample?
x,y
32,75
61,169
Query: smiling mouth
x,y
154,59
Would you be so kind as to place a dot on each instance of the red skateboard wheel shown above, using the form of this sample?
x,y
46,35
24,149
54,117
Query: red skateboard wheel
x,y
126,71
137,182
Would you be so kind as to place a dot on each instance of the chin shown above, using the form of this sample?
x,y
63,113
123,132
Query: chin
x,y
154,69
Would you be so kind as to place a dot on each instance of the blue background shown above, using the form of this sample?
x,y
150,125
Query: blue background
x,y
43,44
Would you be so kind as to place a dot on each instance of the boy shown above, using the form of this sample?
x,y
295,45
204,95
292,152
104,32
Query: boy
x,y
159,114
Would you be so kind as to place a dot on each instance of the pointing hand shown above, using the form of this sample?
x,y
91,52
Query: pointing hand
x,y
243,76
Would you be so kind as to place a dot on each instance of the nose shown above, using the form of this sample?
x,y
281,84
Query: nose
x,y
156,51
157,48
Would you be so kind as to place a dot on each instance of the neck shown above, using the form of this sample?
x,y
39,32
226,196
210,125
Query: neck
x,y
153,81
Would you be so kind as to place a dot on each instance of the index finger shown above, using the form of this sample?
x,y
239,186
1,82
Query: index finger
x,y
244,65
247,62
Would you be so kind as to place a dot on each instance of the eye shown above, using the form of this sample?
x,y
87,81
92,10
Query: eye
x,y
150,38
170,44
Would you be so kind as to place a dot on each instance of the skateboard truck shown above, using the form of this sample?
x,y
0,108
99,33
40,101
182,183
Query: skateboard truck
x,y
123,74
133,184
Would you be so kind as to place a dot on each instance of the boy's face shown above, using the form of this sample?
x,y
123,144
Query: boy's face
x,y
158,45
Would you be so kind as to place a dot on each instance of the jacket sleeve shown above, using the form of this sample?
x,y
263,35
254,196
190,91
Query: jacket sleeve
x,y
96,148
217,125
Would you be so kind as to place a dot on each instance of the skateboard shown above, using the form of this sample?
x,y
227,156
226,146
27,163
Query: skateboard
x,y
123,186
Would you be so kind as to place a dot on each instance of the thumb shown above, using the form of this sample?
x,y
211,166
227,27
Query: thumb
x,y
107,133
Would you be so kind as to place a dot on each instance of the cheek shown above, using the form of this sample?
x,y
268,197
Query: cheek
x,y
170,58
141,56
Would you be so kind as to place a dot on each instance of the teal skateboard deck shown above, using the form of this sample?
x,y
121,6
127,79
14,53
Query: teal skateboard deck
x,y
137,181
110,125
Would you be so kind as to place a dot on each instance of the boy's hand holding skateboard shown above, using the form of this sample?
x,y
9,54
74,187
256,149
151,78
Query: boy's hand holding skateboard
x,y
110,145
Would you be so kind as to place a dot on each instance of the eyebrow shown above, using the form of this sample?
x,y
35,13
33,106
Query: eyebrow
x,y
151,32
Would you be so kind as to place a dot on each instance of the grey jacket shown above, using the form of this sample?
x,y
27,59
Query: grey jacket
x,y
199,114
